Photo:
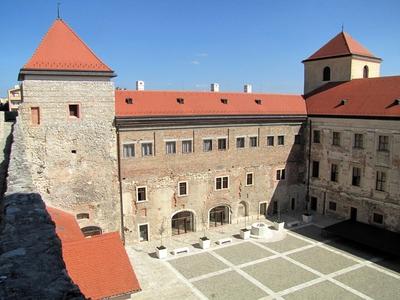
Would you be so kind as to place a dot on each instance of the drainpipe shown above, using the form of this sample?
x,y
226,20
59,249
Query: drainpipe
x,y
309,165
121,205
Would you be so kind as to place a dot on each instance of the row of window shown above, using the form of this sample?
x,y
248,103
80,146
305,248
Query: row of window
x,y
380,178
376,218
326,73
358,140
73,113
208,145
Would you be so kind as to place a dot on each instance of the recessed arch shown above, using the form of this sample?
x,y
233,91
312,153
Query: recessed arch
x,y
365,72
243,209
182,221
219,215
326,75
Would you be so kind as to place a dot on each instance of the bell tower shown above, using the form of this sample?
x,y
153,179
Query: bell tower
x,y
341,59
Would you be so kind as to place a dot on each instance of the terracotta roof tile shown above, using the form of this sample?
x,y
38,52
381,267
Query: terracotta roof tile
x,y
369,97
341,44
164,103
67,228
62,49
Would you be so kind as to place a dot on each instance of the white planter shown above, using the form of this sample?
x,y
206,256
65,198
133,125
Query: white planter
x,y
279,225
307,218
245,234
161,253
204,244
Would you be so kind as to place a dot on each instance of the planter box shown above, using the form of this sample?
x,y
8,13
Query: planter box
x,y
244,234
307,218
279,225
204,243
161,252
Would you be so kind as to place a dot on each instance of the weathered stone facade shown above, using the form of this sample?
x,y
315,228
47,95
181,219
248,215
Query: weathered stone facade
x,y
73,159
161,172
337,197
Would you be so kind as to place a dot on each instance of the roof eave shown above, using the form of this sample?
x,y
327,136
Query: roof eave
x,y
343,55
48,72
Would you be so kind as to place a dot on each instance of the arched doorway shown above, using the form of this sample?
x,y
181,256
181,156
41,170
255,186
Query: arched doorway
x,y
243,209
182,222
219,216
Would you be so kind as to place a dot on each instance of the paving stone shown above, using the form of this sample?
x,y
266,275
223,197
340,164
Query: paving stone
x,y
287,244
242,253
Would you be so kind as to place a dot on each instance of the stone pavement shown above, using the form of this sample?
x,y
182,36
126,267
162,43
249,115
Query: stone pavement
x,y
303,265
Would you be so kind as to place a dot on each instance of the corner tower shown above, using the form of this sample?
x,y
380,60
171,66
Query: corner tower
x,y
67,120
341,59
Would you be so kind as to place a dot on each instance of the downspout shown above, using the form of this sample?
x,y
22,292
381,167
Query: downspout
x,y
121,205
309,165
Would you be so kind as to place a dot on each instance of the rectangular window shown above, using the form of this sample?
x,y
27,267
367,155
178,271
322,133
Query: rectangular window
x,y
315,169
128,150
249,178
143,232
378,218
358,141
253,142
73,110
332,205
356,179
240,142
280,174
380,181
222,183
141,193
316,136
281,140
170,147
298,139
383,144
336,138
35,115
270,140
334,172
183,188
186,146
147,149
222,144
207,145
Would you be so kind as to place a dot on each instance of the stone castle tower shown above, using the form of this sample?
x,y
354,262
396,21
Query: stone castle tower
x,y
341,59
67,122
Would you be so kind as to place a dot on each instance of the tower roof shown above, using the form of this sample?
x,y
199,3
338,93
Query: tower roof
x,y
62,50
341,45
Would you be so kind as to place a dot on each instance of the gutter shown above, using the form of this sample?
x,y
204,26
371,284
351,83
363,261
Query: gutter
x,y
121,205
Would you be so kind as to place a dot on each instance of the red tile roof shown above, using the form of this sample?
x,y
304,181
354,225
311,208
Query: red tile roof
x,y
370,97
341,44
164,103
62,49
100,266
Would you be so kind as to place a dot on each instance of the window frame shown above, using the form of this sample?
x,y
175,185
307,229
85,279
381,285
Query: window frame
x,y
332,205
336,137
191,146
145,194
219,140
380,181
279,142
240,145
315,163
316,136
280,174
252,179
167,148
148,231
250,141
204,144
142,148
377,215
79,115
383,146
334,173
358,141
270,141
123,150
35,109
326,74
179,189
356,178
222,183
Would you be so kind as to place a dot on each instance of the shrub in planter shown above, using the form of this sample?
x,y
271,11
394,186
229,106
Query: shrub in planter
x,y
204,242
307,217
161,252
245,233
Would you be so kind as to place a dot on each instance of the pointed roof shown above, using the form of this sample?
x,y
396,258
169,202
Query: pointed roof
x,y
62,50
341,45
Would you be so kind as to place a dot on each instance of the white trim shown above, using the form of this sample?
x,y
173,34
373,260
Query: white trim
x,y
186,139
215,183
207,138
252,178
187,188
148,231
170,140
147,198
146,142
222,137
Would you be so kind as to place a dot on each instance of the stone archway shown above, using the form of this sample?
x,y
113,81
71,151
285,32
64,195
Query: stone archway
x,y
219,215
243,209
182,222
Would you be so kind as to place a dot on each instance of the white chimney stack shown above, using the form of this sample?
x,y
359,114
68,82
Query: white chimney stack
x,y
247,88
214,87
140,85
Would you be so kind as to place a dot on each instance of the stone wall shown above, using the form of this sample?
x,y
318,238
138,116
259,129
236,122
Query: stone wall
x,y
31,264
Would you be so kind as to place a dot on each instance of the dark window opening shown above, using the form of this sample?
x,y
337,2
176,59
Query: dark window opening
x,y
183,188
240,142
326,74
128,100
258,101
380,181
313,203
253,141
280,174
378,218
222,144
81,216
336,138
281,140
298,139
73,151
91,230
356,179
316,136
249,179
141,194
270,141
207,145
383,143
315,169
334,172
224,101
180,100
221,183
358,141
365,72
73,110
332,205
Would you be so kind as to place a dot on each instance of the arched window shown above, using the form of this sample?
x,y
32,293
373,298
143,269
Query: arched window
x,y
327,74
365,72
91,230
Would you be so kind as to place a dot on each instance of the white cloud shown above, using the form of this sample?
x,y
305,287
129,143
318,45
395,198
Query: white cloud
x,y
195,62
202,54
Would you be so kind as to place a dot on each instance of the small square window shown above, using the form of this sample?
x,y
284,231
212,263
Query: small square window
x,y
298,139
73,110
378,218
316,136
249,178
207,145
253,141
332,205
281,140
222,144
170,147
240,142
270,140
186,146
280,174
128,150
141,194
183,188
147,149
221,183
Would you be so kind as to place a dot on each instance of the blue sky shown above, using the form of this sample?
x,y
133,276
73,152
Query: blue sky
x,y
186,45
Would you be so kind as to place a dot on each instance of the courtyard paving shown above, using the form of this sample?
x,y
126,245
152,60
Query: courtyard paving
x,y
302,265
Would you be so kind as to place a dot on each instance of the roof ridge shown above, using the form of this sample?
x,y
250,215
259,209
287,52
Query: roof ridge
x,y
345,41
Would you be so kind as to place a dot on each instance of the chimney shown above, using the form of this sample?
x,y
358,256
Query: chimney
x,y
140,85
214,87
248,88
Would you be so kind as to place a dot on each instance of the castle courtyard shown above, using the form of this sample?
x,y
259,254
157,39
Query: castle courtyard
x,y
302,265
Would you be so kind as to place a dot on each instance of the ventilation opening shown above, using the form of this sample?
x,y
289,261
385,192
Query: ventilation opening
x,y
73,151
258,101
91,230
224,101
343,101
128,100
180,100
81,216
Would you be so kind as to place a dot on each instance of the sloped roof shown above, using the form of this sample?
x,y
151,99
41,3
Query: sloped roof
x,y
62,49
367,97
341,45
100,266
164,103
67,228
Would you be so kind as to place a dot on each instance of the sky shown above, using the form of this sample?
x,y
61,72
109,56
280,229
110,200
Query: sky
x,y
188,44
